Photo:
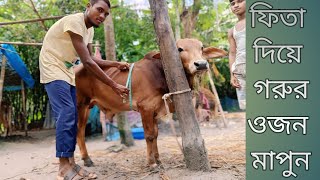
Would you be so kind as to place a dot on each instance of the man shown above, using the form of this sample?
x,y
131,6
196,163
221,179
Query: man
x,y
67,39
237,55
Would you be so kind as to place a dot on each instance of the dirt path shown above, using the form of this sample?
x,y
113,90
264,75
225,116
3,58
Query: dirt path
x,y
33,157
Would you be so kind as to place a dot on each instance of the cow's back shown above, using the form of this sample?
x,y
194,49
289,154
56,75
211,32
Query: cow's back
x,y
148,86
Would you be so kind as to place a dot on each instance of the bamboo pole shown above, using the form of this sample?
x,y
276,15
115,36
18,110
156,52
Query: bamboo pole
x,y
30,20
31,44
21,43
39,19
2,76
217,97
24,108
97,44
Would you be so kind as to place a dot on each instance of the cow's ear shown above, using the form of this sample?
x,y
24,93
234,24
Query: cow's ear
x,y
157,56
211,52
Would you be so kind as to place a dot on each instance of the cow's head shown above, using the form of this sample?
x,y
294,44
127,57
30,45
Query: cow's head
x,y
194,57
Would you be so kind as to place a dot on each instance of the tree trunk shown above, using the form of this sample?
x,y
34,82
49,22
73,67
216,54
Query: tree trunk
x,y
124,129
49,121
9,132
189,17
123,125
193,145
24,114
177,22
110,47
2,74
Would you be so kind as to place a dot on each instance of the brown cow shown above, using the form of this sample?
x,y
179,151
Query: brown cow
x,y
148,87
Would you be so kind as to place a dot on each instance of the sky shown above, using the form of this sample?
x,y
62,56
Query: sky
x,y
144,4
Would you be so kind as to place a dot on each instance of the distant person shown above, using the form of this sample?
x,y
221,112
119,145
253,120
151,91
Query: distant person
x,y
237,54
67,39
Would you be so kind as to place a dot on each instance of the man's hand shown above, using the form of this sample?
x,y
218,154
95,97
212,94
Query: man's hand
x,y
123,66
120,90
234,81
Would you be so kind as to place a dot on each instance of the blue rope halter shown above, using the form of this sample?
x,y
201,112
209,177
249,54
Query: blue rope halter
x,y
129,84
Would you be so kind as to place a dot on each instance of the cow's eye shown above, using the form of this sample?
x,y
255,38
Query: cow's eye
x,y
202,48
180,49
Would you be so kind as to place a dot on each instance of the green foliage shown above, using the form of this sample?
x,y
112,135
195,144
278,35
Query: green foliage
x,y
224,88
134,34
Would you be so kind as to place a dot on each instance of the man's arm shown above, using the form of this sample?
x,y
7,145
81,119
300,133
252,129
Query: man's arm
x,y
90,65
107,63
89,46
232,57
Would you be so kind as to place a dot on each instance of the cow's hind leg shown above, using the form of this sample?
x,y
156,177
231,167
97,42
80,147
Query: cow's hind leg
x,y
83,113
155,142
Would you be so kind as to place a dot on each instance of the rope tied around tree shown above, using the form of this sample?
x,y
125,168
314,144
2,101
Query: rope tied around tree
x,y
165,97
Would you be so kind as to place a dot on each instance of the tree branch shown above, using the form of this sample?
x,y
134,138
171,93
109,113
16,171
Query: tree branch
x,y
35,10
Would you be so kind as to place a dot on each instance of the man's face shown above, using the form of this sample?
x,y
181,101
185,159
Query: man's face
x,y
97,13
238,6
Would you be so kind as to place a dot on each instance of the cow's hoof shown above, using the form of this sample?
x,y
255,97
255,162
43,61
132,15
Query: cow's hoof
x,y
154,168
88,162
158,162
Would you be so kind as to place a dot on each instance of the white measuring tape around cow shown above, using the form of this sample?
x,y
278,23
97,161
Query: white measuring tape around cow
x,y
165,97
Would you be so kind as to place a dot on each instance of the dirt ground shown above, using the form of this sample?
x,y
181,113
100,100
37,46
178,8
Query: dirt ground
x,y
33,157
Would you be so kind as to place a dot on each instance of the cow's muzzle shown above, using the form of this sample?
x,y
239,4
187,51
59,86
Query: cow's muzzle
x,y
201,65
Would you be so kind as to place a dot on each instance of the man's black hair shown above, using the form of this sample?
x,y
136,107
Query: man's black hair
x,y
95,1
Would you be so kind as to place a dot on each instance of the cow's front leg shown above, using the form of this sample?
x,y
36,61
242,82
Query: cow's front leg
x,y
150,136
83,112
